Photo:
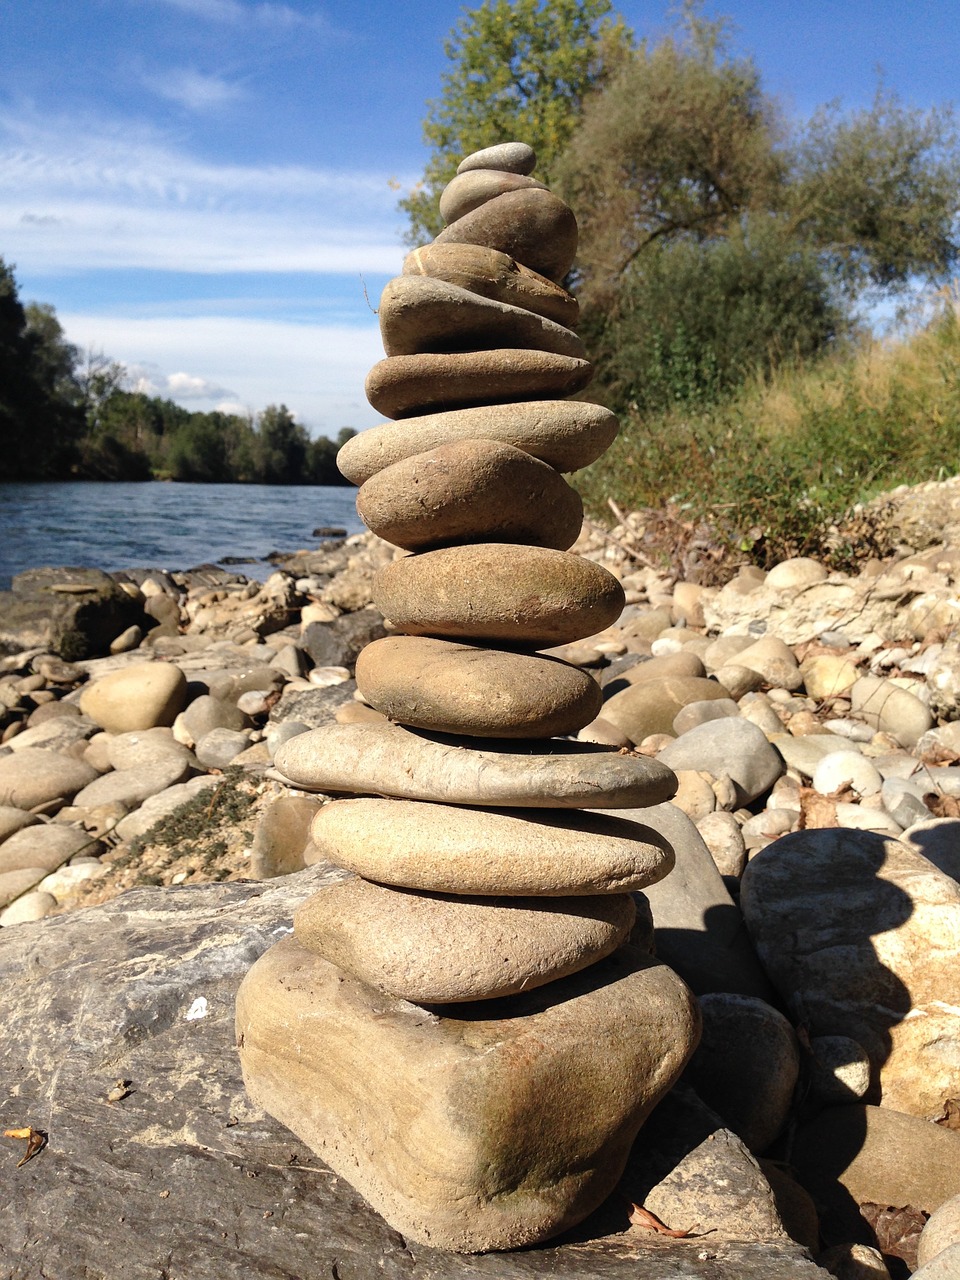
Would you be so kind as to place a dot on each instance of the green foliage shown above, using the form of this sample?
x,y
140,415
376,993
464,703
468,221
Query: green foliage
x,y
700,317
775,466
39,416
522,69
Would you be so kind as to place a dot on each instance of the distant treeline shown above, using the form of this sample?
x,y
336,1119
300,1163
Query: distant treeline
x,y
64,416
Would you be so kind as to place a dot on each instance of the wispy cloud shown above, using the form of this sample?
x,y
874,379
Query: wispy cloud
x,y
317,370
192,89
275,16
80,194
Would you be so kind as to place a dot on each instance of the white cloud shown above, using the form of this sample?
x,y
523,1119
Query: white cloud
x,y
316,370
192,89
275,16
80,194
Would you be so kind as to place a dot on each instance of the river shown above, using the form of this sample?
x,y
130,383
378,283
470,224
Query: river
x,y
163,525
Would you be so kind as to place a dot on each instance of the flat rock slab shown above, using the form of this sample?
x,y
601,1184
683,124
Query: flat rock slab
x,y
70,611
493,591
183,1175
479,692
389,760
401,386
498,1126
439,948
566,434
489,851
471,491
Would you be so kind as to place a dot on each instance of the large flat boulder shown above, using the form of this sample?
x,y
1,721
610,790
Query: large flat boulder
x,y
183,1175
75,613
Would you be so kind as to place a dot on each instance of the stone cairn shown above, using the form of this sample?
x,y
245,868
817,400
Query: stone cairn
x,y
462,1028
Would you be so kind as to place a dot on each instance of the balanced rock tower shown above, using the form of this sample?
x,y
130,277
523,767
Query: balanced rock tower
x,y
461,1027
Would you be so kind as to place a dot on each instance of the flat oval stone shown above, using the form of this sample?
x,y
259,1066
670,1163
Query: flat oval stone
x,y
566,434
649,706
488,852
535,227
402,386
468,191
469,491
419,314
494,591
494,275
437,948
484,693
36,776
389,760
141,696
512,157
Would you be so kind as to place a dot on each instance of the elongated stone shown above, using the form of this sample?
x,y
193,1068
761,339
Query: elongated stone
x,y
471,491
402,386
479,692
566,434
494,275
513,157
390,760
491,1130
497,592
468,190
419,314
442,948
535,227
448,849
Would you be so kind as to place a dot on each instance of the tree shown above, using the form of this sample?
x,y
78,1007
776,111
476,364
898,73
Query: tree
x,y
281,447
39,419
522,70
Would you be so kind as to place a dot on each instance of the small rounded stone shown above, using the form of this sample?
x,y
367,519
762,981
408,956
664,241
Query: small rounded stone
x,y
512,157
534,227
471,491
486,693
498,592
469,190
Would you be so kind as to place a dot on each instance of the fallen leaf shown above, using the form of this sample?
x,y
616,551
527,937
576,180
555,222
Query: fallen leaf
x,y
119,1091
644,1218
951,1114
35,1139
897,1230
943,806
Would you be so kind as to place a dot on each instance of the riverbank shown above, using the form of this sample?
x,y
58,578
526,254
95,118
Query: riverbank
x,y
811,713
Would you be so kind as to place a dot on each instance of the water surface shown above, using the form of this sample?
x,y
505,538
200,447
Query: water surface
x,y
162,525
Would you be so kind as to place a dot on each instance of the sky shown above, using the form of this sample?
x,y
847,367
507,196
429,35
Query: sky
x,y
206,190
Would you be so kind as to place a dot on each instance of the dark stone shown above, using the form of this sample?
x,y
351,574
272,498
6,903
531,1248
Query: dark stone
x,y
338,643
329,531
313,707
178,1175
73,612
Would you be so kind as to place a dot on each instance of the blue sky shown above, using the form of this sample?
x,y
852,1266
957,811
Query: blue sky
x,y
206,190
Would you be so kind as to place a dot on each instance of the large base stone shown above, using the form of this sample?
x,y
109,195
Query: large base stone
x,y
496,1128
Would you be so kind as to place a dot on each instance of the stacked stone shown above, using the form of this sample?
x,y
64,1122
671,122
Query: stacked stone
x,y
462,1027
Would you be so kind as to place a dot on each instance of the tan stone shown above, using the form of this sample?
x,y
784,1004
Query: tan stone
x,y
402,386
469,190
566,434
862,937
389,760
773,660
420,314
828,675
651,706
492,1131
683,663
494,275
480,692
140,696
440,948
489,852
511,157
494,591
535,227
37,776
471,491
